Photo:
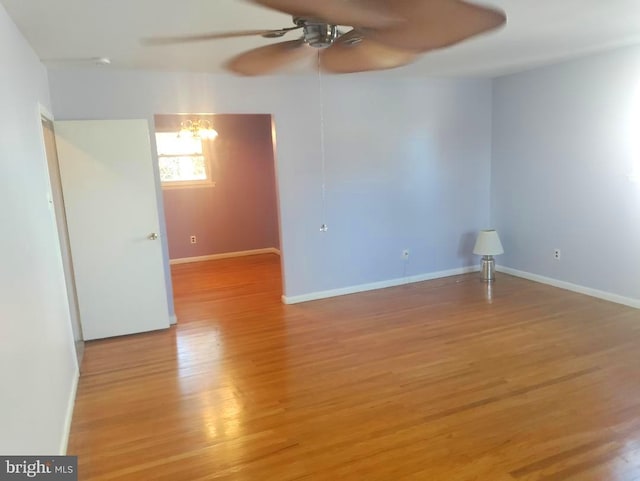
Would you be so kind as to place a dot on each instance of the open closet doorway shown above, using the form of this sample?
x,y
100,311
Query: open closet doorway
x,y
218,179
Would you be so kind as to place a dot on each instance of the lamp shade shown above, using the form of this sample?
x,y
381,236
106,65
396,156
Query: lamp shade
x,y
488,244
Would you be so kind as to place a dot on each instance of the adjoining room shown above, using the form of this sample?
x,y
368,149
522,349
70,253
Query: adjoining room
x,y
218,180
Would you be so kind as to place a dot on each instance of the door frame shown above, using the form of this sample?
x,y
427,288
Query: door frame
x,y
69,281
276,185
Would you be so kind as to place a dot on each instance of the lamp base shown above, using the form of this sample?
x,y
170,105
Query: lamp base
x,y
488,269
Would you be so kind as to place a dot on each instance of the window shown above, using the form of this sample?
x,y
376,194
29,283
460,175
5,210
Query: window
x,y
182,160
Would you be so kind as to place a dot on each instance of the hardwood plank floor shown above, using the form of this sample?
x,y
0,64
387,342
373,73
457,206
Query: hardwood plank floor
x,y
429,381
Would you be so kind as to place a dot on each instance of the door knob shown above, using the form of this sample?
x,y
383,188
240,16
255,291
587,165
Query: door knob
x,y
153,236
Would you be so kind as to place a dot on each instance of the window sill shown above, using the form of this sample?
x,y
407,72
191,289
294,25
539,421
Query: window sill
x,y
187,185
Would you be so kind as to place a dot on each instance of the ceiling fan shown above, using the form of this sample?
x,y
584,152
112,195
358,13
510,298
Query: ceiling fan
x,y
383,34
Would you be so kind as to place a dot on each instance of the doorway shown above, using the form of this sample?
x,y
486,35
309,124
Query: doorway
x,y
218,180
57,199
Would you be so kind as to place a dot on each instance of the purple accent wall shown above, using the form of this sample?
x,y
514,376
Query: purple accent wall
x,y
240,212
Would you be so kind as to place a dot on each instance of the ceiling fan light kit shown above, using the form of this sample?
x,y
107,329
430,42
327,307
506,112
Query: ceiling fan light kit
x,y
384,34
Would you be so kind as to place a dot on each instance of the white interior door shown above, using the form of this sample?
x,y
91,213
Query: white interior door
x,y
110,199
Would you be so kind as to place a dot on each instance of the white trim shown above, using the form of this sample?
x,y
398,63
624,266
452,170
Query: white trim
x,y
187,184
226,255
173,319
44,112
69,416
313,296
607,296
71,402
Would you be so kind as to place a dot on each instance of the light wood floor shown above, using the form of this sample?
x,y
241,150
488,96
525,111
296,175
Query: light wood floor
x,y
428,381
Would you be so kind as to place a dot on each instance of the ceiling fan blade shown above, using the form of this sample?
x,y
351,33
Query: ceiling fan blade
x,y
214,36
264,60
358,13
354,53
432,24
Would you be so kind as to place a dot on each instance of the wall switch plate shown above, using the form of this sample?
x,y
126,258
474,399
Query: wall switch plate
x,y
405,254
194,239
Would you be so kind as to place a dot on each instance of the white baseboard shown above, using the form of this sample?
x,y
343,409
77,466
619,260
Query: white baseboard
x,y
69,414
314,296
607,296
226,255
173,320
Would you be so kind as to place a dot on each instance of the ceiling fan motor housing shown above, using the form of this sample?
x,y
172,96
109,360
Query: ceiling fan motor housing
x,y
317,34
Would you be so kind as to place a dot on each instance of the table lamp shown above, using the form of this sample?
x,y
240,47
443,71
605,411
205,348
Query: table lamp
x,y
488,245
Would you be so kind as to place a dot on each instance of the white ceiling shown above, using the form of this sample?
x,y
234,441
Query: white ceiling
x,y
68,32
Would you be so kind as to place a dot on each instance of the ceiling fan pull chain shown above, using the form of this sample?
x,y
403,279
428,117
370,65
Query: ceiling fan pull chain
x,y
324,227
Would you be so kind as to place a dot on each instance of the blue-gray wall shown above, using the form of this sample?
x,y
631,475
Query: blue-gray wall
x,y
38,367
408,161
566,141
411,164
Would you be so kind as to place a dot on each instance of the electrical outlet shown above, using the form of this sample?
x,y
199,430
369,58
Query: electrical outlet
x,y
405,254
194,239
557,254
